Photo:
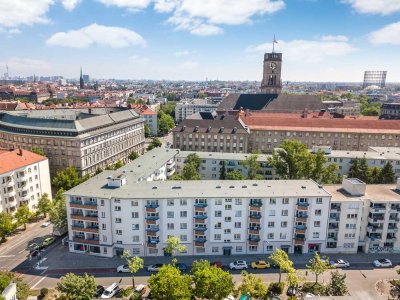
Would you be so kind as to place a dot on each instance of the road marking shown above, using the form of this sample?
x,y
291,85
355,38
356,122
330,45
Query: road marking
x,y
37,283
6,256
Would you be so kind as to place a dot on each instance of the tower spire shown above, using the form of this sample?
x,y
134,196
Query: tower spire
x,y
274,41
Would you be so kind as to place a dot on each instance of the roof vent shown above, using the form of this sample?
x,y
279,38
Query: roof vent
x,y
244,186
218,186
154,187
255,184
232,187
303,187
176,187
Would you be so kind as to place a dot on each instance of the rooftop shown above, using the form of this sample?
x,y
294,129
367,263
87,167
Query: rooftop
x,y
373,192
14,159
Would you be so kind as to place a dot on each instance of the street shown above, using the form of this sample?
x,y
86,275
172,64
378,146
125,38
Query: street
x,y
361,276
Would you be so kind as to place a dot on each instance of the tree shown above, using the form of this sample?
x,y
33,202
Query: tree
x,y
165,123
133,155
337,285
281,259
22,287
374,175
211,282
58,213
173,246
44,204
396,284
67,179
190,172
147,130
193,159
38,150
6,225
75,287
292,279
364,170
318,265
118,165
354,170
235,175
23,215
135,263
155,142
222,171
252,285
329,175
169,284
387,174
253,167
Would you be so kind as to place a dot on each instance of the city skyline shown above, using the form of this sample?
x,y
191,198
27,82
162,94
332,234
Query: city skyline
x,y
176,40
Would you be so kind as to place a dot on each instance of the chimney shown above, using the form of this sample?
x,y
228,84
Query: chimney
x,y
19,152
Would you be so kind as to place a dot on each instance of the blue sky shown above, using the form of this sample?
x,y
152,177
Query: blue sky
x,y
321,40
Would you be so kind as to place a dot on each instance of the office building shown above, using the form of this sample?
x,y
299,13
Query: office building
x,y
184,109
374,79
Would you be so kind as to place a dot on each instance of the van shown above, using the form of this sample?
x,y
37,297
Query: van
x,y
110,291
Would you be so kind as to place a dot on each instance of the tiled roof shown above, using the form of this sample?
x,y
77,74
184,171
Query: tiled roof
x,y
230,124
12,160
8,105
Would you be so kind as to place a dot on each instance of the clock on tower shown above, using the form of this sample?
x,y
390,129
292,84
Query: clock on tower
x,y
271,83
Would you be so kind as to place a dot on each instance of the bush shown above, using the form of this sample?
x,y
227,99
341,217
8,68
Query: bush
x,y
127,292
276,288
314,288
43,293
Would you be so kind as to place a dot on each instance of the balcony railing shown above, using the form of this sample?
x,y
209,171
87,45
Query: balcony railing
x,y
200,240
303,204
152,205
79,239
152,229
200,217
153,242
254,216
255,203
200,229
301,227
254,239
201,205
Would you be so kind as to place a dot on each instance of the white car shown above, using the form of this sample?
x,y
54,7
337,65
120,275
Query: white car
x,y
46,224
309,295
382,263
154,268
340,263
230,297
238,265
123,269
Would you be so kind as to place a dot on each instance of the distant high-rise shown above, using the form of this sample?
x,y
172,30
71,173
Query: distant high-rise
x,y
81,81
86,78
374,78
271,83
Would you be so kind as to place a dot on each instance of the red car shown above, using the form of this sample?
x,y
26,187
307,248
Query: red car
x,y
217,264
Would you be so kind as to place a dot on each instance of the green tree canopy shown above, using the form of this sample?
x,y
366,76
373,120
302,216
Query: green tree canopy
x,y
133,155
252,285
211,282
253,167
155,142
318,265
337,285
44,204
118,164
75,287
281,259
67,179
234,175
222,171
191,169
147,130
387,174
23,215
165,123
174,246
23,288
169,284
135,263
58,213
7,225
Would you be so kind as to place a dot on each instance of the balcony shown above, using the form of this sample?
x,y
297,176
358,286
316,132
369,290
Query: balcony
x,y
254,230
376,219
333,227
11,193
377,209
332,239
152,205
152,242
336,208
392,229
257,204
374,229
84,205
200,240
303,206
94,241
200,217
201,228
81,217
395,219
89,229
153,229
254,238
255,216
298,242
9,183
201,205
394,208
152,218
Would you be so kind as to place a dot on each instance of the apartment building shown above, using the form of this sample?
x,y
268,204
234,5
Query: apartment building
x,y
86,138
24,177
186,108
149,116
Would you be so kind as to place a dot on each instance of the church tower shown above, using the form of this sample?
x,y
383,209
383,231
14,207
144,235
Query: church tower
x,y
81,82
272,82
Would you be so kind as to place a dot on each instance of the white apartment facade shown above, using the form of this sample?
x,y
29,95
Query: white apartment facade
x,y
183,109
24,178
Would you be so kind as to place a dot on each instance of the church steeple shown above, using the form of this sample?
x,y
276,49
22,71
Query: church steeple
x,y
271,82
81,82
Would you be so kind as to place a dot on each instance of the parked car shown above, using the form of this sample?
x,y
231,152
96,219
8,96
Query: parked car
x,y
110,291
99,291
154,268
48,241
34,253
123,269
261,264
291,291
140,289
46,224
217,264
339,263
245,297
238,265
182,267
382,263
309,295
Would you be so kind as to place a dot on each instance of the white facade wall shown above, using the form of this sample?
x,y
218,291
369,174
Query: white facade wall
x,y
24,185
151,121
185,109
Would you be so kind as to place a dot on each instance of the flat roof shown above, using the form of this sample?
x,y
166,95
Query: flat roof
x,y
373,192
223,155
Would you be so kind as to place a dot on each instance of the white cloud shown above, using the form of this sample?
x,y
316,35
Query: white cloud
x,y
389,34
206,29
26,66
139,60
379,7
311,51
165,6
334,38
94,34
129,4
23,12
70,4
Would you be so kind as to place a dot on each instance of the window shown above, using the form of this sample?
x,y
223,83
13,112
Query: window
x,y
315,235
350,226
227,231
200,250
270,236
236,236
170,226
238,213
134,203
103,214
349,235
117,201
183,202
217,225
238,201
215,249
102,202
351,216
218,213
348,245
183,226
253,248
135,238
228,200
104,238
135,226
319,201
285,201
239,249
183,237
282,235
238,225
170,202
217,237
118,232
103,226
271,224
228,207
135,215
218,202
285,212
135,250
170,214
117,208
118,220
269,248
317,223
271,213
272,201
228,219
283,224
